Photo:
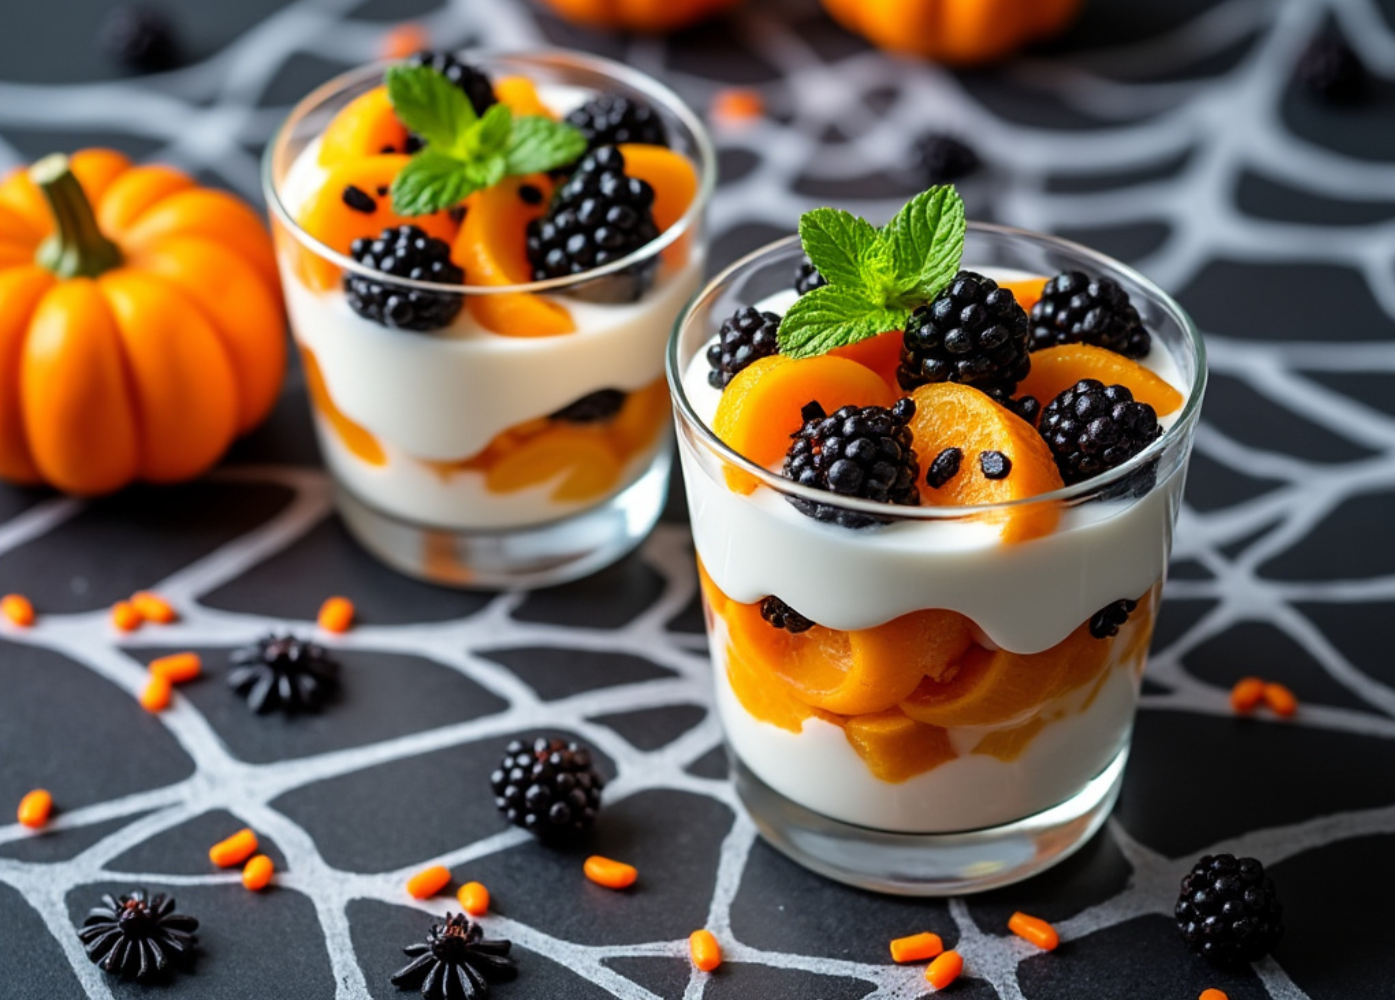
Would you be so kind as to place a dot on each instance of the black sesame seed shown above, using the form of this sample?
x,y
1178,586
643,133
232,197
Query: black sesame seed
x,y
359,200
382,190
531,194
995,464
945,467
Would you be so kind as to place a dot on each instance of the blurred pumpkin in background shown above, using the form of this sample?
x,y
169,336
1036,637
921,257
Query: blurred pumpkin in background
x,y
141,325
639,15
959,32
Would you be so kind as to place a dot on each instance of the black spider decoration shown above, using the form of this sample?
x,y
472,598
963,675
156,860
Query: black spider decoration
x,y
138,937
455,962
285,673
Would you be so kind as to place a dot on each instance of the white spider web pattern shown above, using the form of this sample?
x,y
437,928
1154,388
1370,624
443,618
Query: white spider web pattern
x,y
1233,125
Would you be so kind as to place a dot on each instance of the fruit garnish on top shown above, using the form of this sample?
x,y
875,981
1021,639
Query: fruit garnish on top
x,y
894,361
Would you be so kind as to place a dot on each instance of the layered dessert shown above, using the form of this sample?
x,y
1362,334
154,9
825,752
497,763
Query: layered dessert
x,y
481,269
932,502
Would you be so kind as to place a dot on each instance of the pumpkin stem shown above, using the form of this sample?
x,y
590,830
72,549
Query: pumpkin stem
x,y
77,248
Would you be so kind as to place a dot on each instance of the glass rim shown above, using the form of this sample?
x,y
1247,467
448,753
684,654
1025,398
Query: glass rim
x,y
654,91
1179,430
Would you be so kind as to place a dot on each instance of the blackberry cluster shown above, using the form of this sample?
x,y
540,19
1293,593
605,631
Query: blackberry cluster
x,y
1076,309
974,332
141,38
807,277
404,252
471,81
549,788
746,336
599,216
1332,72
1092,428
285,673
1228,911
138,937
1108,620
863,452
610,119
591,408
944,159
778,614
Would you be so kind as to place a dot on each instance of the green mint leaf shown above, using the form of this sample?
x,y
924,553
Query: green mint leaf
x,y
833,316
432,182
538,144
486,173
488,137
429,104
837,242
927,241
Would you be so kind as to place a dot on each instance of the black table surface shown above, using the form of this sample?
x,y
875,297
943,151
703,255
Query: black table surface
x,y
1165,132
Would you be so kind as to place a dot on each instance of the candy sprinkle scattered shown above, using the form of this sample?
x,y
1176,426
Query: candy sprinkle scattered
x,y
17,609
256,874
35,809
917,948
125,617
1034,930
944,970
156,695
736,105
474,899
611,874
235,850
705,951
1281,700
154,608
1246,695
177,668
404,40
336,615
1212,994
429,881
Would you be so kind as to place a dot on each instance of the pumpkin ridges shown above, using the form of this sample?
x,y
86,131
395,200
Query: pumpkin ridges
x,y
19,195
95,170
244,313
75,395
21,288
17,231
134,193
182,379
213,215
594,12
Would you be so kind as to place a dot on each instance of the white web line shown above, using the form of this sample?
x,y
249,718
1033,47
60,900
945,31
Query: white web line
x,y
207,116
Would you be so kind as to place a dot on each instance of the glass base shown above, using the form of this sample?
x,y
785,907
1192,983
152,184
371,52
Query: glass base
x,y
525,557
944,864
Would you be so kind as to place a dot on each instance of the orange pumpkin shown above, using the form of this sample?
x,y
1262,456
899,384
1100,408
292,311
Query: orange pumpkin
x,y
960,32
141,324
639,15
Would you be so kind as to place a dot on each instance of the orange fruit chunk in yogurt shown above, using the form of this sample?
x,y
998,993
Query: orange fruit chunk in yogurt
x,y
1056,369
895,747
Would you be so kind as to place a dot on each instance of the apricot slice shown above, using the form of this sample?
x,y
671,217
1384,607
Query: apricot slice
x,y
675,182
521,97
640,420
897,748
760,408
1027,291
579,459
356,438
881,353
950,415
330,219
1009,744
1056,369
716,599
492,248
366,126
762,696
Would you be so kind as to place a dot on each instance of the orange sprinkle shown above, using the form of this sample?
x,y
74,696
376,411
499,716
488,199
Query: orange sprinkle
x,y
336,614
1246,695
235,850
1281,700
1212,995
736,105
125,616
177,667
1034,930
257,873
611,874
404,40
17,609
706,952
156,696
916,948
154,608
944,970
35,808
429,881
474,899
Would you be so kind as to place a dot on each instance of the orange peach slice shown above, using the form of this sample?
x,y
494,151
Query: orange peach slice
x,y
881,353
897,748
1027,291
1056,369
521,97
580,460
366,126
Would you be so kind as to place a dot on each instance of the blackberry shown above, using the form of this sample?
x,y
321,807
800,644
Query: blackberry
x,y
599,216
471,81
1109,619
1228,911
141,38
746,336
863,452
610,119
550,788
944,159
1331,71
404,252
974,332
778,614
1092,428
1028,408
1075,309
807,278
591,408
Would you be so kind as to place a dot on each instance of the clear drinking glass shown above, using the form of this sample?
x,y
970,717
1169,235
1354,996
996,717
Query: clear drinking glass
x,y
453,453
895,745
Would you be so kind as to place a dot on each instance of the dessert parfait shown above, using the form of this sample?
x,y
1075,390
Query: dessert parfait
x,y
482,256
933,471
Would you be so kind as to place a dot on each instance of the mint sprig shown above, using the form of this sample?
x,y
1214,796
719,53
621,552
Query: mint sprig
x,y
876,277
465,152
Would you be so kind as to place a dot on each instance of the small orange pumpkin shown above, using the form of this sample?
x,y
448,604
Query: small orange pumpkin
x,y
141,324
640,15
959,32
